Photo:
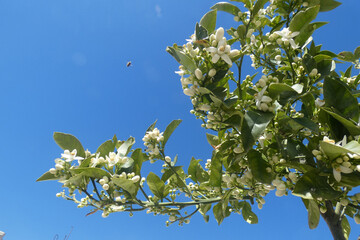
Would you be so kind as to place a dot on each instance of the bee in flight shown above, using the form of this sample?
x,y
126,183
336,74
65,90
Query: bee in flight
x,y
128,64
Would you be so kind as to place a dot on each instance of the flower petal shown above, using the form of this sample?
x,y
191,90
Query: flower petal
x,y
337,175
227,59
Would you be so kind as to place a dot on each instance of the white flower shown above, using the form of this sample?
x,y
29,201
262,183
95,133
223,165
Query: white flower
x,y
106,186
70,156
313,72
262,101
287,37
341,169
319,103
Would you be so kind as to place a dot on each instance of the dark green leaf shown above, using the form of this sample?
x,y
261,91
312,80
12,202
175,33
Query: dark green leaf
x,y
106,147
350,180
337,95
69,142
169,130
226,7
208,21
258,167
254,124
349,125
200,32
157,187
151,127
312,185
307,32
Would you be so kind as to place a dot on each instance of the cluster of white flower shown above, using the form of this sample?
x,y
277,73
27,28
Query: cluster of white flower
x,y
286,37
151,141
263,102
66,157
280,187
220,49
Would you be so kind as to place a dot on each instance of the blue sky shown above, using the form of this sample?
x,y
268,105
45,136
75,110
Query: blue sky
x,y
63,68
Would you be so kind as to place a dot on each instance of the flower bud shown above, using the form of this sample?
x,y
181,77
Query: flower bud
x,y
313,72
135,178
167,159
198,74
219,34
357,218
212,72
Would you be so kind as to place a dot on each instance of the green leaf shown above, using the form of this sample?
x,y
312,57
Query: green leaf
x,y
327,5
200,32
312,185
151,127
346,227
309,63
47,176
212,139
333,151
169,130
169,172
258,5
303,18
106,147
277,88
226,7
248,215
216,170
338,96
126,184
208,21
351,179
347,56
124,149
313,214
357,53
138,157
258,167
69,142
196,171
307,123
96,173
254,124
157,187
182,58
218,213
307,32
234,121
298,153
349,125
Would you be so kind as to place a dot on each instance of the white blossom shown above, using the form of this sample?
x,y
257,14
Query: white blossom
x,y
70,156
287,37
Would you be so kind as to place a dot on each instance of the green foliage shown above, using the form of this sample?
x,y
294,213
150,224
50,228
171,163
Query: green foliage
x,y
270,131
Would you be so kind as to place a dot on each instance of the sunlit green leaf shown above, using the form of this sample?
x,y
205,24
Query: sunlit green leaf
x,y
157,187
208,21
313,214
170,129
226,7
69,142
106,147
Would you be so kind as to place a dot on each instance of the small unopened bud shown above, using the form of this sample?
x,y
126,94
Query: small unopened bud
x,y
198,74
212,72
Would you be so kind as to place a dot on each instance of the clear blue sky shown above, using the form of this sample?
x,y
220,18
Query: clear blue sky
x,y
63,68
